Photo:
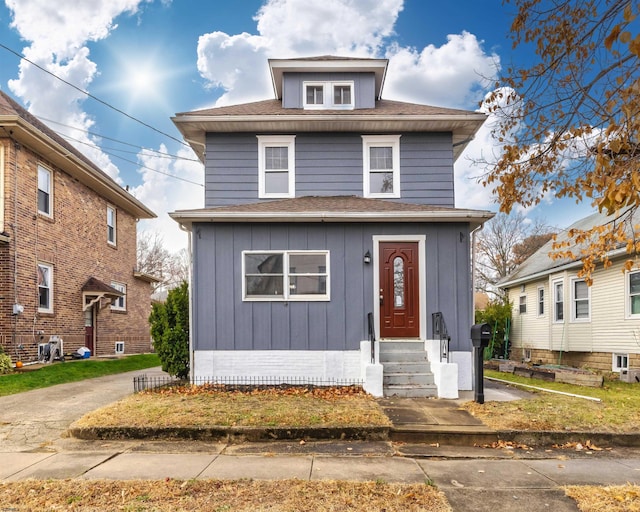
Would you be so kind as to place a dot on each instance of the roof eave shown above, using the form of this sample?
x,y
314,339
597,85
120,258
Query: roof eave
x,y
187,218
28,135
462,126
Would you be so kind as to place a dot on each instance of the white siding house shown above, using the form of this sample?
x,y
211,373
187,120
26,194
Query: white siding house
x,y
558,319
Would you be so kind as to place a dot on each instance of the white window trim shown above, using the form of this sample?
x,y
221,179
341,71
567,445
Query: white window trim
x,y
627,294
50,308
369,141
265,141
520,304
573,281
50,173
286,296
614,366
538,301
327,96
121,287
555,304
119,344
115,225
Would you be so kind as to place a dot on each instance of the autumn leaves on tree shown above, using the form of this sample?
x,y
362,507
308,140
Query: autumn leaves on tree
x,y
569,124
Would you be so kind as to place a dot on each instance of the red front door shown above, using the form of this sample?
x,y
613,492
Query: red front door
x,y
399,290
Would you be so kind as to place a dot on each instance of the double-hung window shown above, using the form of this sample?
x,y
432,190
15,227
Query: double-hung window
x,y
45,195
558,301
276,166
120,303
45,288
523,304
111,225
540,301
285,275
580,310
328,95
381,158
633,294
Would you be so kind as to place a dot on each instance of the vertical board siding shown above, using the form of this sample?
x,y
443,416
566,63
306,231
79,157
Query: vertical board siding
x,y
222,321
329,164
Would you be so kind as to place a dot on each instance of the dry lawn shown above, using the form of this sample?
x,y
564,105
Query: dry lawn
x,y
618,498
207,406
618,412
219,496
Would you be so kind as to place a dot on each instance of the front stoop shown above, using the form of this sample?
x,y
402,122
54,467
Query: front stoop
x,y
407,372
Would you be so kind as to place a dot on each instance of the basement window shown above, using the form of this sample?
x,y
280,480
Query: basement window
x,y
119,347
620,362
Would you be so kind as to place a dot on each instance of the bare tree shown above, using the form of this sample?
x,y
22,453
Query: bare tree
x,y
156,260
504,243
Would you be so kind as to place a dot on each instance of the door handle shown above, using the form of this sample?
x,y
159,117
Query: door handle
x,y
381,299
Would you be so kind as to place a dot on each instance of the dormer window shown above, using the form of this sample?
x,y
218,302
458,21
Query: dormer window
x,y
328,95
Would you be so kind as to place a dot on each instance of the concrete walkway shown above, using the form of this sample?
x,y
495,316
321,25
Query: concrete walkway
x,y
476,479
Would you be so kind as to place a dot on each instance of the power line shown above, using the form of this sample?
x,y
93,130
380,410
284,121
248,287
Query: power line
x,y
88,94
95,134
130,161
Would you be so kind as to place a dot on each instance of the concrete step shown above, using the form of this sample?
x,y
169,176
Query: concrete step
x,y
407,379
410,390
406,367
394,356
385,346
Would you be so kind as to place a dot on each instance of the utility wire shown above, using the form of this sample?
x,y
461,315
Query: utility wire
x,y
130,161
95,134
22,57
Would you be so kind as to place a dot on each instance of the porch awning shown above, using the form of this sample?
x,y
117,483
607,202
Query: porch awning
x,y
94,290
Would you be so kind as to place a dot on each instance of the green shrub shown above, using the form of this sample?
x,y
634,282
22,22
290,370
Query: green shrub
x,y
498,315
5,363
170,331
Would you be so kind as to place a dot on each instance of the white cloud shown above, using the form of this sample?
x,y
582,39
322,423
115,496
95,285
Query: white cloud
x,y
163,194
455,74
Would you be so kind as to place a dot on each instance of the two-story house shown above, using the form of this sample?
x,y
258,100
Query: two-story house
x,y
323,205
67,247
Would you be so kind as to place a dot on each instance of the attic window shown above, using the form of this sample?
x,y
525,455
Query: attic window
x,y
328,95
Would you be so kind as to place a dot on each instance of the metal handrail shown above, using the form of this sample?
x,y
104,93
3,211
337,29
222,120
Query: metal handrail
x,y
439,328
372,337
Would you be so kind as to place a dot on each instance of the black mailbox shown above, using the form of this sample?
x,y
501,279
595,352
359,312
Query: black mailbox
x,y
480,335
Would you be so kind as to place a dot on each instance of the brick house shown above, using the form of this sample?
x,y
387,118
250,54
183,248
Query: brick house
x,y
67,247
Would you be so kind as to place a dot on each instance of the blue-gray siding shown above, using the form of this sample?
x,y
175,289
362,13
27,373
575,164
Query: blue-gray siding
x,y
222,321
363,87
329,164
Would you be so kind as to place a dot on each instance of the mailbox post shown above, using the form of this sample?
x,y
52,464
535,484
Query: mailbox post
x,y
480,337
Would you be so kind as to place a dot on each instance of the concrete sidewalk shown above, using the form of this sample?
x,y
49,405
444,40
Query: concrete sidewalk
x,y
494,483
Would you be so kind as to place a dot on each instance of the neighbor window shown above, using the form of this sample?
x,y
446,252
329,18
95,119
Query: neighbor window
x,y
381,158
580,298
328,95
540,301
286,275
120,303
558,301
44,191
276,164
633,284
523,304
620,362
45,288
111,225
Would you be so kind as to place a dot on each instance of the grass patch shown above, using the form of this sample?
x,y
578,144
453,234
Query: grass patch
x,y
72,371
615,498
203,406
618,412
220,495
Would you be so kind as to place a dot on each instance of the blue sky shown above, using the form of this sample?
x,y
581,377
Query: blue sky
x,y
153,58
